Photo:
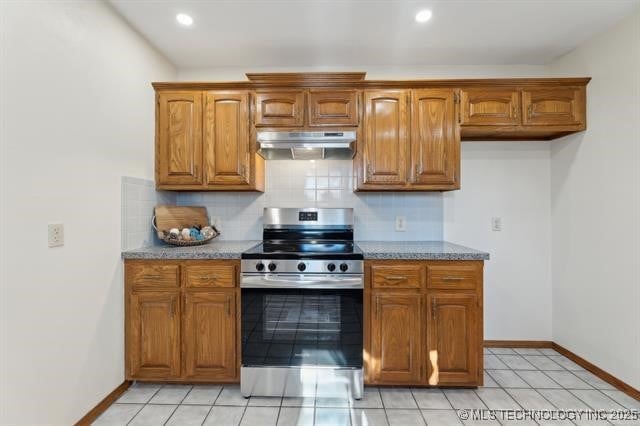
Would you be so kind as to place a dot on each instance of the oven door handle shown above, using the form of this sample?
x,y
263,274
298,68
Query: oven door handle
x,y
307,282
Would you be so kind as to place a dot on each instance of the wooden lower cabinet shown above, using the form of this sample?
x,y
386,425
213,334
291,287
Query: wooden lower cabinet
x,y
187,333
396,338
428,333
154,335
452,339
210,335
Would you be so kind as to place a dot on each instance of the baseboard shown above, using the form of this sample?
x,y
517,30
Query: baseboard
x,y
609,378
518,344
104,404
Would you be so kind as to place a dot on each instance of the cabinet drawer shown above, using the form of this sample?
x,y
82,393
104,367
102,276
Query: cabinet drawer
x,y
210,275
152,275
398,276
456,276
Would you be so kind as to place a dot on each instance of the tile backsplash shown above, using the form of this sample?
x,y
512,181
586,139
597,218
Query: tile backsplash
x,y
139,197
323,183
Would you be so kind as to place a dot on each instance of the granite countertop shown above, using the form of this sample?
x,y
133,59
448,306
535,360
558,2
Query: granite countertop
x,y
421,250
214,250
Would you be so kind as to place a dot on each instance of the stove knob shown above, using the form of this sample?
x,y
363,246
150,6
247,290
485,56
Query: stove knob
x,y
344,267
272,267
301,266
260,267
331,267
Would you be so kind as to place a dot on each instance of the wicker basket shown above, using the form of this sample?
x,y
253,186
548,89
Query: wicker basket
x,y
183,243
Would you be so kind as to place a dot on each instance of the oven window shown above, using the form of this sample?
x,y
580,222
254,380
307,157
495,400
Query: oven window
x,y
301,327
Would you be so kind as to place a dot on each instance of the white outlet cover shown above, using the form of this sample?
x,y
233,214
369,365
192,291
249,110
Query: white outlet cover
x,y
401,223
55,234
496,224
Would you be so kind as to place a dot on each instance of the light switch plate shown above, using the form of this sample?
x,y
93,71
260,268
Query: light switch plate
x,y
496,224
56,234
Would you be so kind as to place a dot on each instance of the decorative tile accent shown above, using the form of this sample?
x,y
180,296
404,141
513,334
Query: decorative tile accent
x,y
139,197
326,183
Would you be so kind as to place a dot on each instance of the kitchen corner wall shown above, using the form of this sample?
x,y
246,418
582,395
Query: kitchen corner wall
x,y
595,208
77,114
322,183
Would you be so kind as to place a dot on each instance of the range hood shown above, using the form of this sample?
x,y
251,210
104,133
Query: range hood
x,y
306,145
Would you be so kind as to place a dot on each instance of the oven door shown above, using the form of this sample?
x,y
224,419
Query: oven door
x,y
302,321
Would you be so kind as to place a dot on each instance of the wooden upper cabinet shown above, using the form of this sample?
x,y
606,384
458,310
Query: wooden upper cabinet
x,y
179,138
554,106
333,108
386,137
226,138
279,108
453,339
489,107
396,338
210,335
435,143
153,336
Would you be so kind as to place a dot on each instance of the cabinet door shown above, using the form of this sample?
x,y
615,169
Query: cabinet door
x,y
333,108
279,109
226,138
386,143
452,339
154,335
210,335
396,338
435,143
179,138
554,106
489,107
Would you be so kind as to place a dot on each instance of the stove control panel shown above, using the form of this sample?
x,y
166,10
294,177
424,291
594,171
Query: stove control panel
x,y
301,266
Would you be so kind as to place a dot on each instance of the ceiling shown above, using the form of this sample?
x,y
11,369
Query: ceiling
x,y
307,33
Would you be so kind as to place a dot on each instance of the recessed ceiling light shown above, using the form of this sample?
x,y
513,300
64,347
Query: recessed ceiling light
x,y
185,19
423,16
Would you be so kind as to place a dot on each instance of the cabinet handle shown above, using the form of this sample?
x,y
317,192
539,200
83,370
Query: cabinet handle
x,y
395,278
228,306
243,171
452,278
514,111
369,170
377,307
152,277
195,170
530,110
208,277
434,306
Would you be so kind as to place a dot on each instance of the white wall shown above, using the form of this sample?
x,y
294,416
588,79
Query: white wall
x,y
509,180
595,208
77,114
373,73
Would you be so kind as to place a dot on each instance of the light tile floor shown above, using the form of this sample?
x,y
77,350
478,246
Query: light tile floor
x,y
514,379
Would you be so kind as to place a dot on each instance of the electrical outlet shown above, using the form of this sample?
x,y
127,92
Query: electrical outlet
x,y
401,223
56,234
496,224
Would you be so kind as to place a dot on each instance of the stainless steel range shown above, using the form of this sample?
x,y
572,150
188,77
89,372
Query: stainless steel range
x,y
302,293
